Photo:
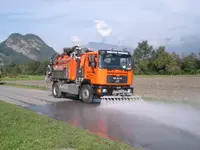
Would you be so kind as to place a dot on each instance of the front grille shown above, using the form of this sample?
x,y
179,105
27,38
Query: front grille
x,y
117,79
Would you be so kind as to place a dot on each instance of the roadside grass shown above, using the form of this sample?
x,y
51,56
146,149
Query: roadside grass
x,y
24,129
25,86
23,78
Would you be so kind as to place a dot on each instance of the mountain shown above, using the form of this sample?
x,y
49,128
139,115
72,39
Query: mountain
x,y
18,48
185,44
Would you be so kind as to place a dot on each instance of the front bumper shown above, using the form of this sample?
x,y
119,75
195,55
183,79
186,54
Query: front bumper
x,y
110,90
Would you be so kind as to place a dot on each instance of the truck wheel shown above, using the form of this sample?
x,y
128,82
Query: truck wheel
x,y
86,93
56,90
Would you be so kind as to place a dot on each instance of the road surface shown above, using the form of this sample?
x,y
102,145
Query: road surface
x,y
148,125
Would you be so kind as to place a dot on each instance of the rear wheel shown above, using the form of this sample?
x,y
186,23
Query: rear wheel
x,y
56,90
86,93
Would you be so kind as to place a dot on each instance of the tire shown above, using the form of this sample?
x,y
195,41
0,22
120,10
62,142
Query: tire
x,y
86,94
56,90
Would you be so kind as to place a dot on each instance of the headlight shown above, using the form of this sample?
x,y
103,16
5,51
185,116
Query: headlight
x,y
129,90
104,90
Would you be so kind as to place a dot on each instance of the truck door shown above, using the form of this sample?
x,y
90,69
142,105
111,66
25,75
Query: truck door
x,y
91,70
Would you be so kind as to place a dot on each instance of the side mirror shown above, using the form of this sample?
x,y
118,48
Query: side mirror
x,y
93,64
92,60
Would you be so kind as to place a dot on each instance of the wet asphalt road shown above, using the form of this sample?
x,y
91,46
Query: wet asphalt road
x,y
149,125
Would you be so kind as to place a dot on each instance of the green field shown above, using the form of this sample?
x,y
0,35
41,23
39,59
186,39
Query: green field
x,y
24,77
26,86
24,129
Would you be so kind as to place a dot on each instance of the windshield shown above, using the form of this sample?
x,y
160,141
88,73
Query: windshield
x,y
115,61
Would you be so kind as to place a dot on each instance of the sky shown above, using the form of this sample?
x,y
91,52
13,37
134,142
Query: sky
x,y
60,23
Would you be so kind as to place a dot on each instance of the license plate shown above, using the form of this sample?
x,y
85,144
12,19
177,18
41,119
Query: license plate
x,y
119,92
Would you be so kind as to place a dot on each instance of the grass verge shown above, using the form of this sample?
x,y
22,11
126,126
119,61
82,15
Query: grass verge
x,y
26,86
24,129
23,78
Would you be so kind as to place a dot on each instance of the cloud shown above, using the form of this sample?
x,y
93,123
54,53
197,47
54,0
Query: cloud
x,y
58,20
102,28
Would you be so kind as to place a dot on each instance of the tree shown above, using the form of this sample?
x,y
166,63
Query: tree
x,y
32,67
141,57
142,51
199,62
144,66
12,70
190,64
162,59
174,66
41,69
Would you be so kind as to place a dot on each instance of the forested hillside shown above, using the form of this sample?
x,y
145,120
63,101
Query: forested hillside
x,y
146,60
20,49
149,60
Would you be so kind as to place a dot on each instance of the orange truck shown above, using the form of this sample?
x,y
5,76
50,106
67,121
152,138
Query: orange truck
x,y
92,76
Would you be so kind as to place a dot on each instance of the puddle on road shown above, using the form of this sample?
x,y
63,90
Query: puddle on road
x,y
179,115
150,125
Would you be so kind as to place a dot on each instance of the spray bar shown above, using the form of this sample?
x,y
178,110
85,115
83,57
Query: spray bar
x,y
121,98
